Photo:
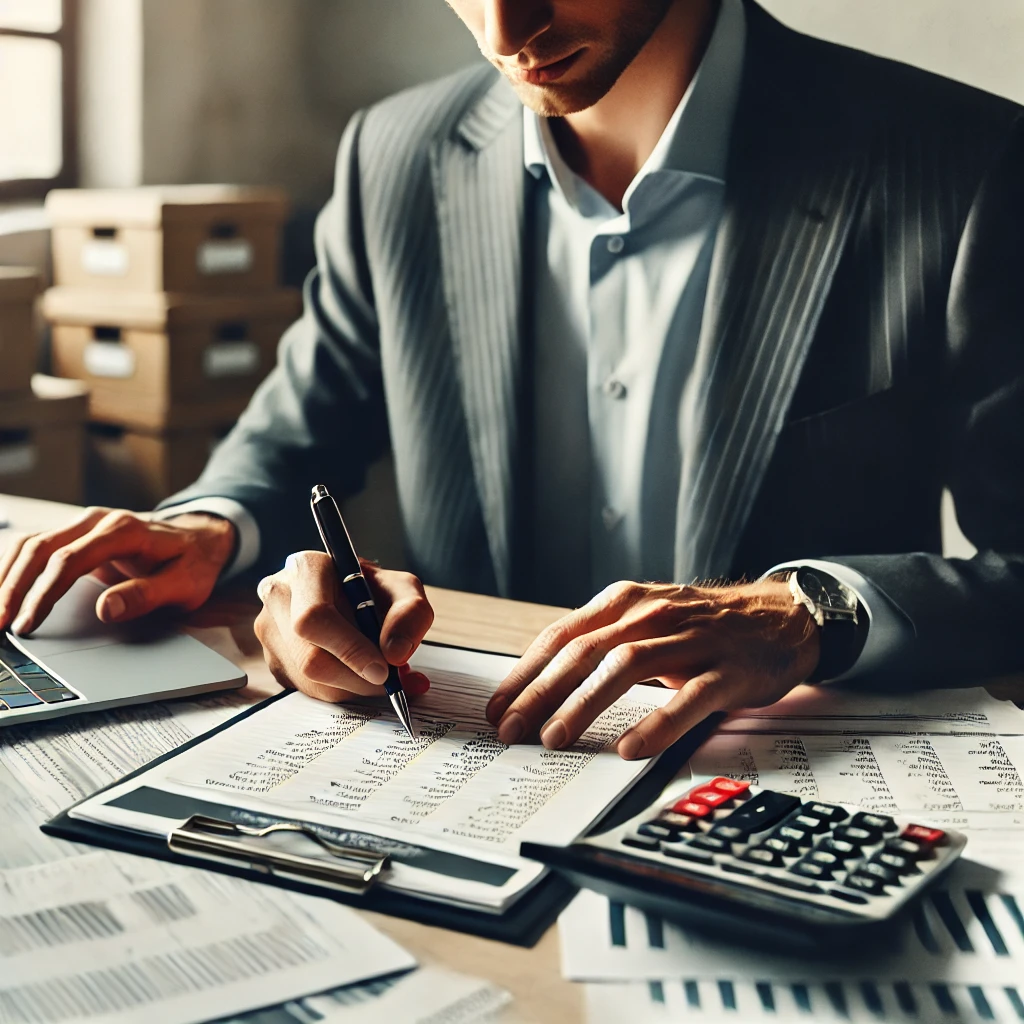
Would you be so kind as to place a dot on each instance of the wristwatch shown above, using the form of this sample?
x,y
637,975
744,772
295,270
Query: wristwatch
x,y
835,608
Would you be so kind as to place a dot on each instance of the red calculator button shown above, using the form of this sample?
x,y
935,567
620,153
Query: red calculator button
x,y
709,796
731,786
923,834
694,810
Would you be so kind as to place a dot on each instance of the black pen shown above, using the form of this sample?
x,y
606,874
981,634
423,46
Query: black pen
x,y
338,544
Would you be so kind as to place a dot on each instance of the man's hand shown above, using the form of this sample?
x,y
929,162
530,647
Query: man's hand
x,y
150,565
720,647
309,636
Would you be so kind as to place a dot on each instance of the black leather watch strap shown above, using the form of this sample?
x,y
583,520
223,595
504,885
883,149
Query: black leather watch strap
x,y
842,640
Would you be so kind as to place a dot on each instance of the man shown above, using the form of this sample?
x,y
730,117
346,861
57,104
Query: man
x,y
712,297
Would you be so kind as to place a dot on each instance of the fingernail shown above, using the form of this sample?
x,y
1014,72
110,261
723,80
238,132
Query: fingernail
x,y
400,647
553,736
512,729
376,673
113,607
631,745
20,625
496,708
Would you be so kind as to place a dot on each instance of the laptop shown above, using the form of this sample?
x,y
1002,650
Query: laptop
x,y
75,663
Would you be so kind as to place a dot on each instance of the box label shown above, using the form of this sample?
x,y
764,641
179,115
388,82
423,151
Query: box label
x,y
17,458
224,257
231,359
105,259
109,359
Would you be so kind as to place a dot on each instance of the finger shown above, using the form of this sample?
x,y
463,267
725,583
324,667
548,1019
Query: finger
x,y
173,586
7,559
315,618
415,684
693,702
270,638
115,536
26,559
602,610
406,612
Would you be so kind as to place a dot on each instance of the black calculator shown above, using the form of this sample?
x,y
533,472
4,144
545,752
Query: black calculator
x,y
762,865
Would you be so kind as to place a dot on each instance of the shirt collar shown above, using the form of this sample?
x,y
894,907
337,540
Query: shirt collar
x,y
696,138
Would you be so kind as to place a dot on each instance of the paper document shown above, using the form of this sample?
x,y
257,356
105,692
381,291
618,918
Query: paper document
x,y
454,788
832,709
967,782
745,1002
108,939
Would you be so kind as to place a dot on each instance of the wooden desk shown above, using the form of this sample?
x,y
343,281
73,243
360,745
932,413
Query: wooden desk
x,y
533,976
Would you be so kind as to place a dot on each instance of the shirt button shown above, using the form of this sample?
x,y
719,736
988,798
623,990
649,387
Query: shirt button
x,y
616,244
610,517
615,388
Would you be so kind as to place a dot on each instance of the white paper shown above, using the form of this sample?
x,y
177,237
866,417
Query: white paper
x,y
965,782
832,709
108,939
454,788
727,999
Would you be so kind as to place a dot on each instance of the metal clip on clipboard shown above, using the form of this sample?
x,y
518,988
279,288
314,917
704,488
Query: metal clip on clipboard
x,y
344,868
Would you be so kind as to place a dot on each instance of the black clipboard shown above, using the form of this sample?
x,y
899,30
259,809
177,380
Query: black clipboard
x,y
521,924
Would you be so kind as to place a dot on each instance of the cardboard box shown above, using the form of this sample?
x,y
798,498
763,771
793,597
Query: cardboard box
x,y
19,287
164,361
42,440
187,238
137,469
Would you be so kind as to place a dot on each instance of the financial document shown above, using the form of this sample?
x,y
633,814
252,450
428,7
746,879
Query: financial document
x,y
831,709
454,787
108,938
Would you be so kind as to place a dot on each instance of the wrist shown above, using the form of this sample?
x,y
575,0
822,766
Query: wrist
x,y
797,631
217,536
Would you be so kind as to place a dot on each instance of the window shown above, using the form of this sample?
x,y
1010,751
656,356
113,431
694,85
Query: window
x,y
37,100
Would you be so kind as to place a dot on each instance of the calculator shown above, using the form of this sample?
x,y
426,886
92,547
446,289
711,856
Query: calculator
x,y
762,865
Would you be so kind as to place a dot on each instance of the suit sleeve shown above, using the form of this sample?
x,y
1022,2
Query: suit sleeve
x,y
967,615
319,417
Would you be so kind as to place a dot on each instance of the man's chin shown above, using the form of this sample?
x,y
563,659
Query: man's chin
x,y
557,99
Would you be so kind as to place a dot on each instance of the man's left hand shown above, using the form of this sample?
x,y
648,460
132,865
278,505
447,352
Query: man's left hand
x,y
722,648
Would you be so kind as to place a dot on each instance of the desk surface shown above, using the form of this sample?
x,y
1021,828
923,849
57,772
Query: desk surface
x,y
532,975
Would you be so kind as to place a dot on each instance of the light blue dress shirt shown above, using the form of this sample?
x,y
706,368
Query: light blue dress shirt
x,y
619,300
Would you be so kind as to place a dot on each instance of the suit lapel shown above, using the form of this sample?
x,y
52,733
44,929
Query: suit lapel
x,y
479,190
789,205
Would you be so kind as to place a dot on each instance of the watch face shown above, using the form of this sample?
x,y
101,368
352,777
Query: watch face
x,y
825,591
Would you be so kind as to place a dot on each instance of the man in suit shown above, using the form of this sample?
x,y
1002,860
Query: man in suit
x,y
671,293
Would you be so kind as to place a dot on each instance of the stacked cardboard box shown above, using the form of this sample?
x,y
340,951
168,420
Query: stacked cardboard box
x,y
41,419
167,304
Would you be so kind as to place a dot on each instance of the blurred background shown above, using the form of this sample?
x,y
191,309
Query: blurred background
x,y
125,93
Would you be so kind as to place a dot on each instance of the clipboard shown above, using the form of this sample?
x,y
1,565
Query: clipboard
x,y
347,874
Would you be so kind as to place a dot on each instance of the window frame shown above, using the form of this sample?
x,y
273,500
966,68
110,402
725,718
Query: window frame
x,y
66,37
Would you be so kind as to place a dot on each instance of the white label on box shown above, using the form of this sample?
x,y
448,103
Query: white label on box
x,y
231,359
224,257
20,457
105,259
109,359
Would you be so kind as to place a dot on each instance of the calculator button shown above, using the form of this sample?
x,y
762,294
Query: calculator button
x,y
739,869
808,869
687,853
827,811
857,835
792,834
729,833
711,797
762,811
885,875
895,862
711,843
809,822
907,848
641,842
840,847
825,858
734,787
766,858
881,822
850,897
679,822
924,835
800,884
784,846
865,884
655,830
691,808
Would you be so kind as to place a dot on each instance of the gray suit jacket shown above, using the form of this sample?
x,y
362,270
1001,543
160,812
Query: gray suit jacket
x,y
863,344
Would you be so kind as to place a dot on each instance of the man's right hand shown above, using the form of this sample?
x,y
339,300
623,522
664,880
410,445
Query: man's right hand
x,y
310,640
149,565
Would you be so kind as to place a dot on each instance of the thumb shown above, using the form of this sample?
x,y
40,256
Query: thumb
x,y
133,598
